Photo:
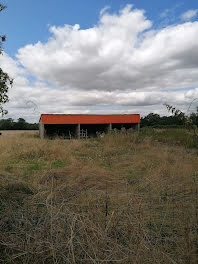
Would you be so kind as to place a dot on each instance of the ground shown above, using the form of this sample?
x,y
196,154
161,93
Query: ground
x,y
18,133
122,198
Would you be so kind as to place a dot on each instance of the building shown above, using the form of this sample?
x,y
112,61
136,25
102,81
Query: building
x,y
83,126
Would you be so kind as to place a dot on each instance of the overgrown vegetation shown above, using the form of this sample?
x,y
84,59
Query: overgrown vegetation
x,y
174,136
178,119
122,198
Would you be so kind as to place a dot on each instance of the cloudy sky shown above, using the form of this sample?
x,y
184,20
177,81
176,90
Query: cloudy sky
x,y
107,57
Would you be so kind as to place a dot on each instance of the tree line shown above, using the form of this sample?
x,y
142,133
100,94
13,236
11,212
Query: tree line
x,y
174,121
20,124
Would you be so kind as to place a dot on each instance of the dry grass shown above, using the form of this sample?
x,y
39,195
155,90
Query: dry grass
x,y
18,133
123,198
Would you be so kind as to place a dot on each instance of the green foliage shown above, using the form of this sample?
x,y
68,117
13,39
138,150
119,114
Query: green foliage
x,y
5,80
157,121
172,136
178,119
33,166
186,120
58,164
194,117
21,124
5,83
177,137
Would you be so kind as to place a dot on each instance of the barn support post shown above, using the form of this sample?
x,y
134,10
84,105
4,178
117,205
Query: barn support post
x,y
42,130
78,131
137,127
109,127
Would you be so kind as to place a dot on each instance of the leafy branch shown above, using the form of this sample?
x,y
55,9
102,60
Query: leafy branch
x,y
5,81
186,120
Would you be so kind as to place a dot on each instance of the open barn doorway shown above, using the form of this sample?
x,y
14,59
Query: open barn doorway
x,y
92,130
62,131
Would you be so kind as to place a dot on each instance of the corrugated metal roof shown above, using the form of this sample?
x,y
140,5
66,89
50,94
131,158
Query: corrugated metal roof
x,y
89,119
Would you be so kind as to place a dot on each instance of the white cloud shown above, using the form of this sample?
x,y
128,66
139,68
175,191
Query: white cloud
x,y
87,59
188,15
103,11
117,54
119,65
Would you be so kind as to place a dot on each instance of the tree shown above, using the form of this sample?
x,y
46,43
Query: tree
x,y
21,124
188,121
150,120
5,80
194,117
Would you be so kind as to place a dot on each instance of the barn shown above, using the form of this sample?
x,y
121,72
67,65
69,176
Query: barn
x,y
70,126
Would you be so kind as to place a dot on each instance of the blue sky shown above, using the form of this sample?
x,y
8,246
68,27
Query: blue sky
x,y
124,57
27,21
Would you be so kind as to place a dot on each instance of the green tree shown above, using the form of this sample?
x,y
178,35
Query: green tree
x,y
6,124
188,121
194,117
5,80
21,124
150,120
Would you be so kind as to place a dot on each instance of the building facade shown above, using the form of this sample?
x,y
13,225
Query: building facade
x,y
83,126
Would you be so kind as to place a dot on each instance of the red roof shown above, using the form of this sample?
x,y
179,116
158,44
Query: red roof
x,y
89,119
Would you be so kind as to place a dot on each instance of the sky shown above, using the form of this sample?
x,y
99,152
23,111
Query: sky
x,y
100,57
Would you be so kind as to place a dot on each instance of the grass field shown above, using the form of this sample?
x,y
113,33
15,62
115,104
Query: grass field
x,y
123,198
18,133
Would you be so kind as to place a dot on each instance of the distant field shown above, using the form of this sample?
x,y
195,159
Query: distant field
x,y
124,198
18,133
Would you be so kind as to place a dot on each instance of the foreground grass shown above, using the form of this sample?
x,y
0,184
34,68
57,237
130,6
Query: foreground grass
x,y
123,198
